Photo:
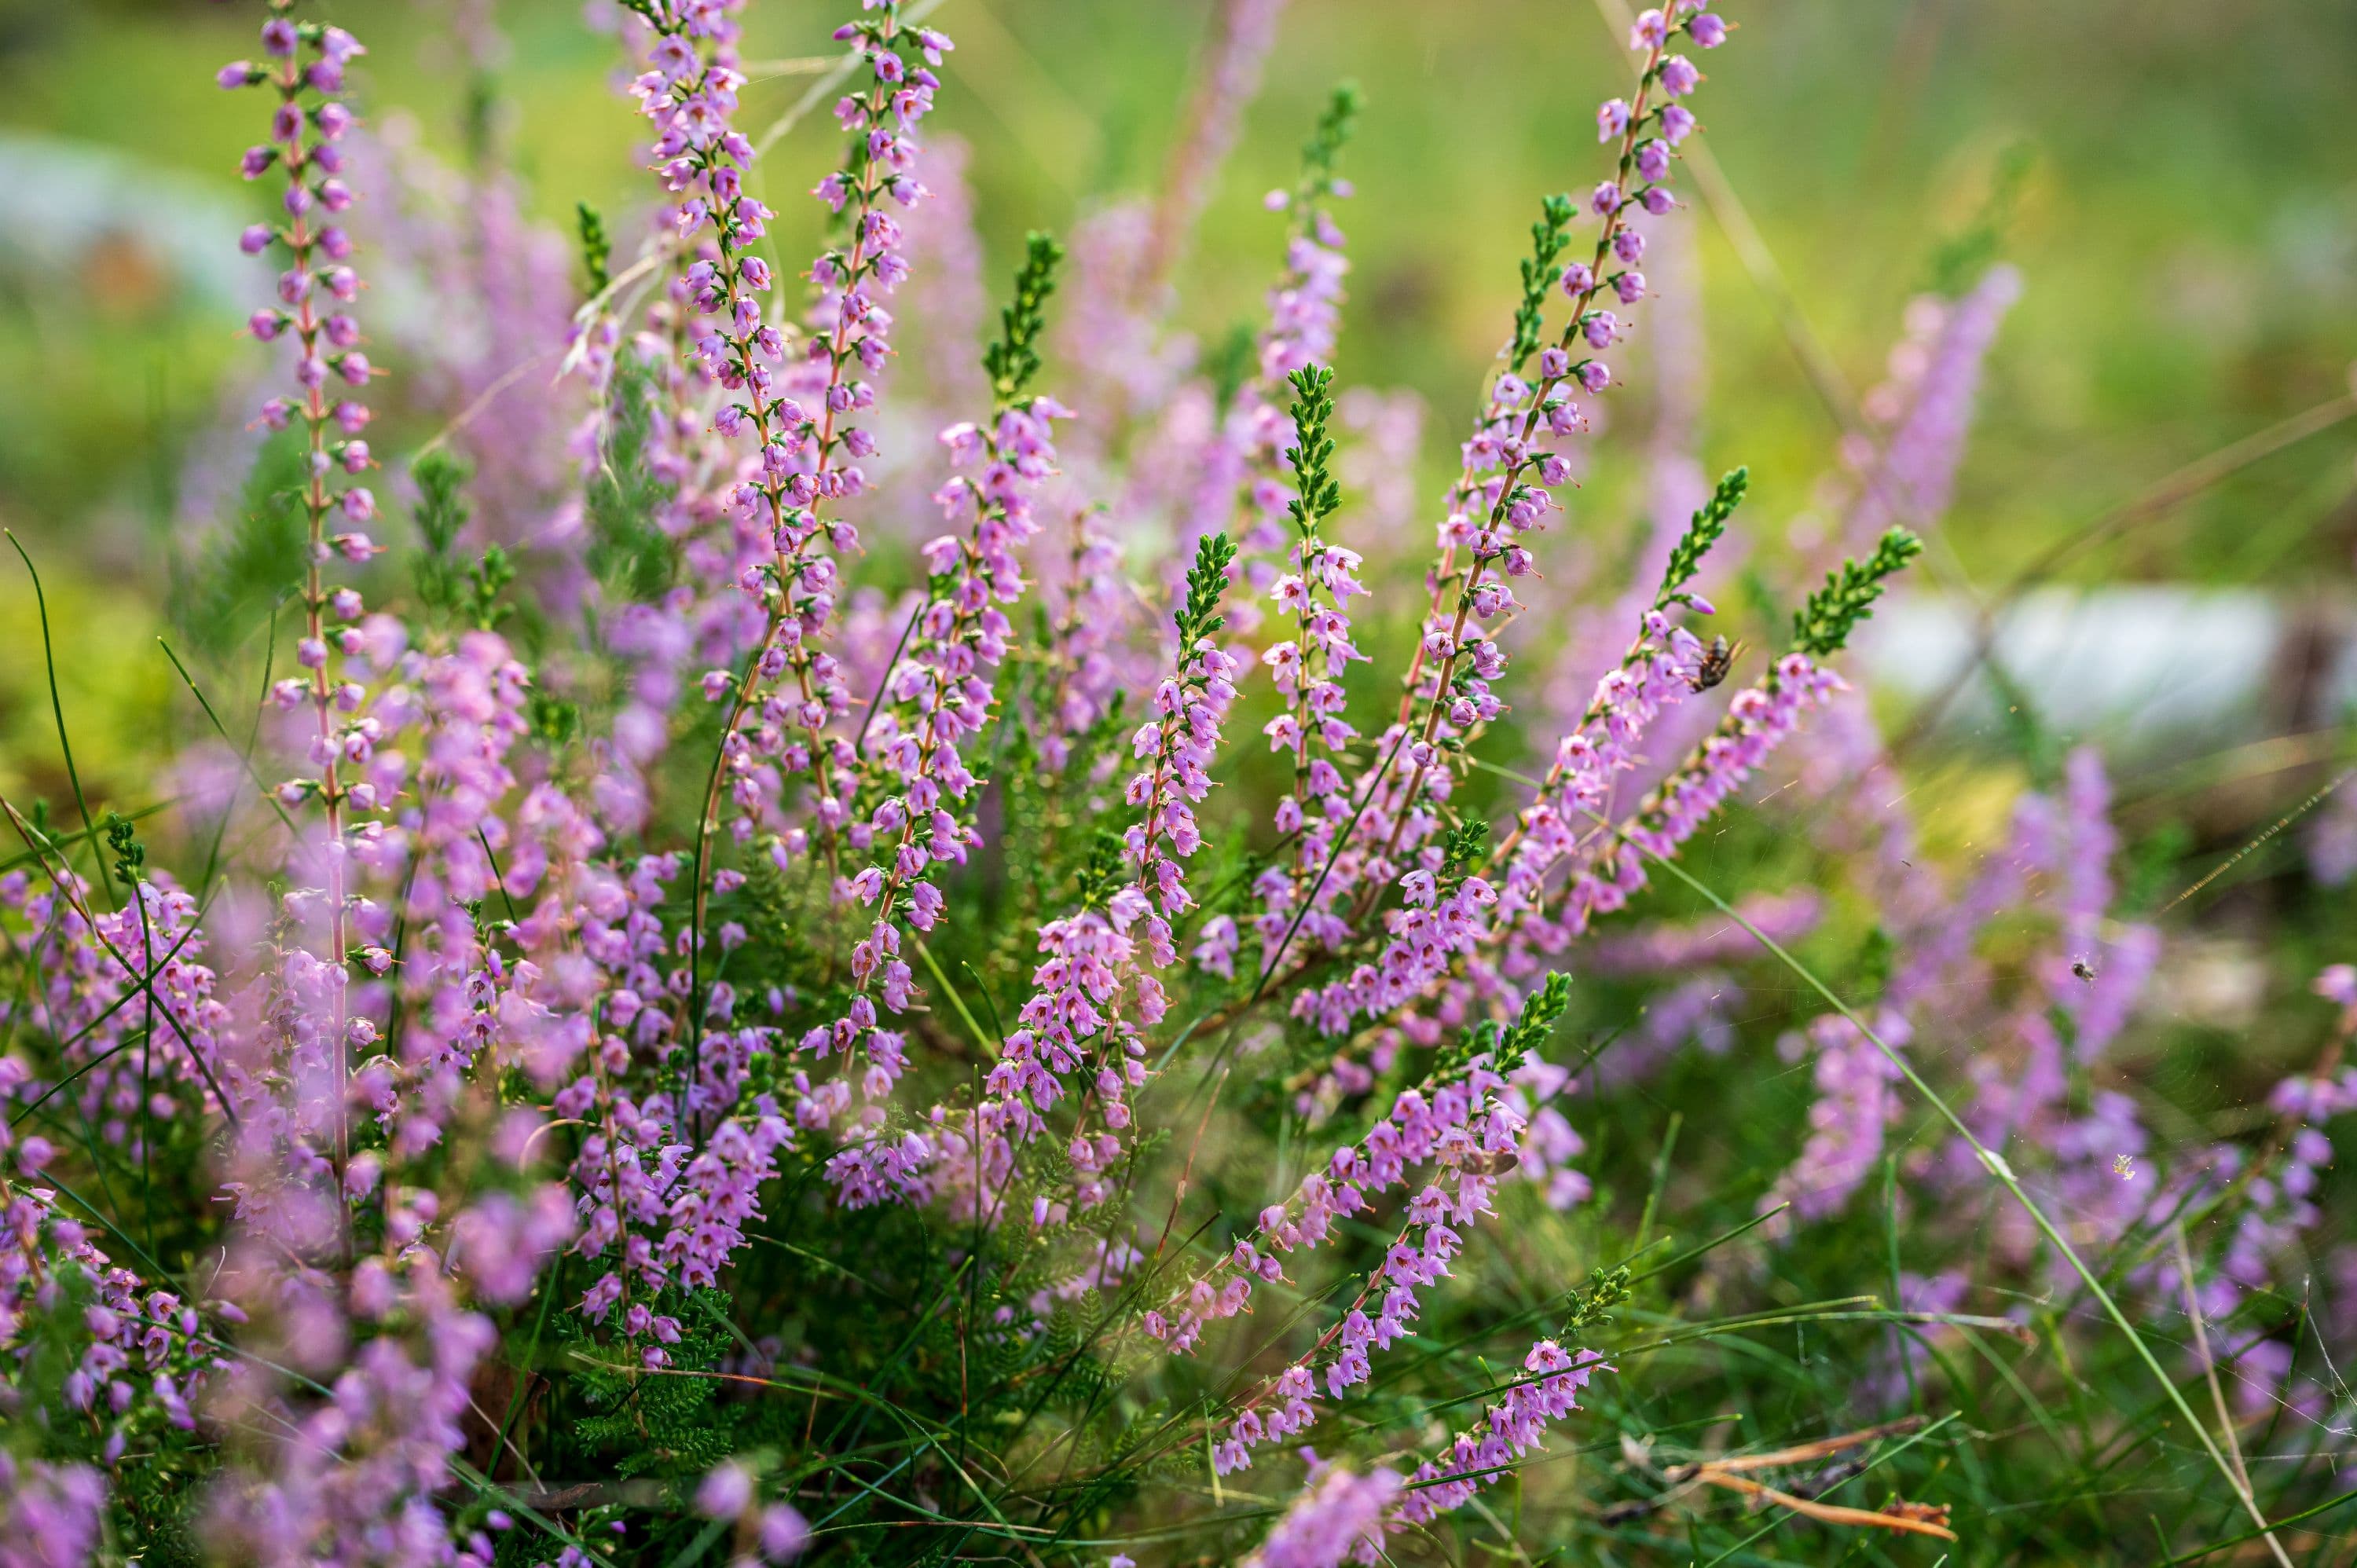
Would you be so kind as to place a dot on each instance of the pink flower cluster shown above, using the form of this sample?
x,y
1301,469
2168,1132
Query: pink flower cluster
x,y
807,449
144,1354
117,979
1511,1428
1505,490
1441,1121
937,695
1341,1517
2283,1188
1096,986
665,1205
304,64
1759,720
1442,917
1338,1516
1476,1129
1858,1098
1430,936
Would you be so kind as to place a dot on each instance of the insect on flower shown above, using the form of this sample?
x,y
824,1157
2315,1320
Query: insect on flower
x,y
2083,970
1717,660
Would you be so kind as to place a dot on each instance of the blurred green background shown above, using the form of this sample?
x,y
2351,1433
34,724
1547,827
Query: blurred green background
x,y
2177,192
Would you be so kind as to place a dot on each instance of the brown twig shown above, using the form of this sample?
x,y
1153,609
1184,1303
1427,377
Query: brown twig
x,y
1908,1518
1913,1518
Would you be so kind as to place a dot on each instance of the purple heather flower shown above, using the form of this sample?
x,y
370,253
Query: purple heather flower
x,y
725,1492
1336,1517
1856,1098
1914,479
1096,987
1511,1427
915,780
704,161
783,1532
1492,508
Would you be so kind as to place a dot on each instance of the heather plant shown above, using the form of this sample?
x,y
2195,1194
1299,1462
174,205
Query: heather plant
x,y
727,979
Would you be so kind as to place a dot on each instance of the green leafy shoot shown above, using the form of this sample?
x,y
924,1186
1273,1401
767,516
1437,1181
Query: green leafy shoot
x,y
1822,628
1708,527
1317,494
1207,579
596,248
130,855
1014,360
555,721
626,552
1549,236
461,593
665,1427
1534,1025
1321,155
1510,1046
442,510
1461,850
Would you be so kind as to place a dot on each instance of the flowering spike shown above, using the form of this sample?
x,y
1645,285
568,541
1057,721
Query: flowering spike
x,y
1096,988
306,73
1504,491
807,446
1453,1120
916,784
